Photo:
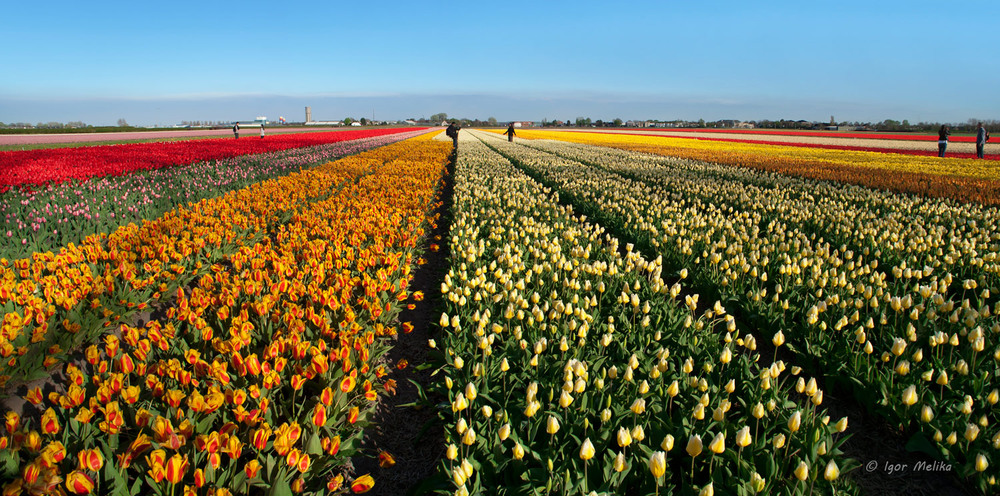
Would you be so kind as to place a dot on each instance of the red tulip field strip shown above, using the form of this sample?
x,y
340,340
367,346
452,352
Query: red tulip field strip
x,y
260,374
571,366
893,297
38,167
50,217
34,139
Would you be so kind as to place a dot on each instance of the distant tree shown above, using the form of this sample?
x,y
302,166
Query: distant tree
x,y
618,122
364,122
492,121
348,121
122,123
701,122
439,117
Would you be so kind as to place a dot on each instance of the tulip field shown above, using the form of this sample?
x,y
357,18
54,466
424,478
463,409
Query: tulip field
x,y
231,342
618,314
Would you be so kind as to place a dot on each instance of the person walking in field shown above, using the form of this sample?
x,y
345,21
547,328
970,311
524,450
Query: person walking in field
x,y
236,130
452,133
943,134
262,130
982,136
510,132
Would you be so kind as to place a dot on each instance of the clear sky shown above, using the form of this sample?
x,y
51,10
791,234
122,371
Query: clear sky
x,y
162,62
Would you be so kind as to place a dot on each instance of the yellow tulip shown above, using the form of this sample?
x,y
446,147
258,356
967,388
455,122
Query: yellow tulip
x,y
668,442
981,463
620,463
658,464
802,471
624,437
718,444
552,425
586,450
743,437
832,471
795,421
694,445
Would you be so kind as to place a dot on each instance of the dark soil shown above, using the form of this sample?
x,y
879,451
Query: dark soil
x,y
413,435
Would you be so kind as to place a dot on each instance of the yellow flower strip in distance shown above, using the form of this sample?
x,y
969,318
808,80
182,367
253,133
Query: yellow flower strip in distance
x,y
960,179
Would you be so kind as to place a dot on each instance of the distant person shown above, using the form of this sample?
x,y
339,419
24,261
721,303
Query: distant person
x,y
982,136
510,132
236,130
261,130
943,134
452,132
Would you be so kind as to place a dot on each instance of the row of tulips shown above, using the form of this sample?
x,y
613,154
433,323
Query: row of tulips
x,y
571,366
903,308
823,134
45,219
259,375
964,180
54,302
38,167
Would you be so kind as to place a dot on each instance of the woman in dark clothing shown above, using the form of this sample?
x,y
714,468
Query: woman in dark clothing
x,y
510,132
943,134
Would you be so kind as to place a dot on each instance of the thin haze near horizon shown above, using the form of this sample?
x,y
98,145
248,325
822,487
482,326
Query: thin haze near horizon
x,y
158,63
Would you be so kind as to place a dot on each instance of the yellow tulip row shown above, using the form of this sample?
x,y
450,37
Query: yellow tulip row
x,y
908,301
267,357
566,354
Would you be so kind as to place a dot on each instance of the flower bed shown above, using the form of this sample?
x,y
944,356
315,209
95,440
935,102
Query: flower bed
x,y
891,297
571,366
257,370
38,167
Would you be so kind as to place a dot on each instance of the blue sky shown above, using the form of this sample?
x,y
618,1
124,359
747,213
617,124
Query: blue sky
x,y
163,62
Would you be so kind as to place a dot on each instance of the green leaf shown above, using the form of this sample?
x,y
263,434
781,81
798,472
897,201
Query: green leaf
x,y
280,488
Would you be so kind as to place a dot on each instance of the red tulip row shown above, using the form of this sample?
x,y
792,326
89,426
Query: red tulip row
x,y
36,167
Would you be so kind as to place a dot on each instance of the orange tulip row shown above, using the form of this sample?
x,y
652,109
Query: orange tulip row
x,y
263,351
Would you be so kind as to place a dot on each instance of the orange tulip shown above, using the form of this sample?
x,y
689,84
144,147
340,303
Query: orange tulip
x,y
175,468
90,459
199,478
331,446
30,473
362,484
352,414
252,469
13,421
155,460
34,396
260,437
326,397
78,482
347,384
319,415
385,459
333,485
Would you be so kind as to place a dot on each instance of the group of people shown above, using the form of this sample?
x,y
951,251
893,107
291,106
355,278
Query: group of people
x,y
453,128
236,130
982,136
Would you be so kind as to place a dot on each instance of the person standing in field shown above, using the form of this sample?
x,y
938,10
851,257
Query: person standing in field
x,y
510,132
982,136
261,130
943,134
236,130
452,133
